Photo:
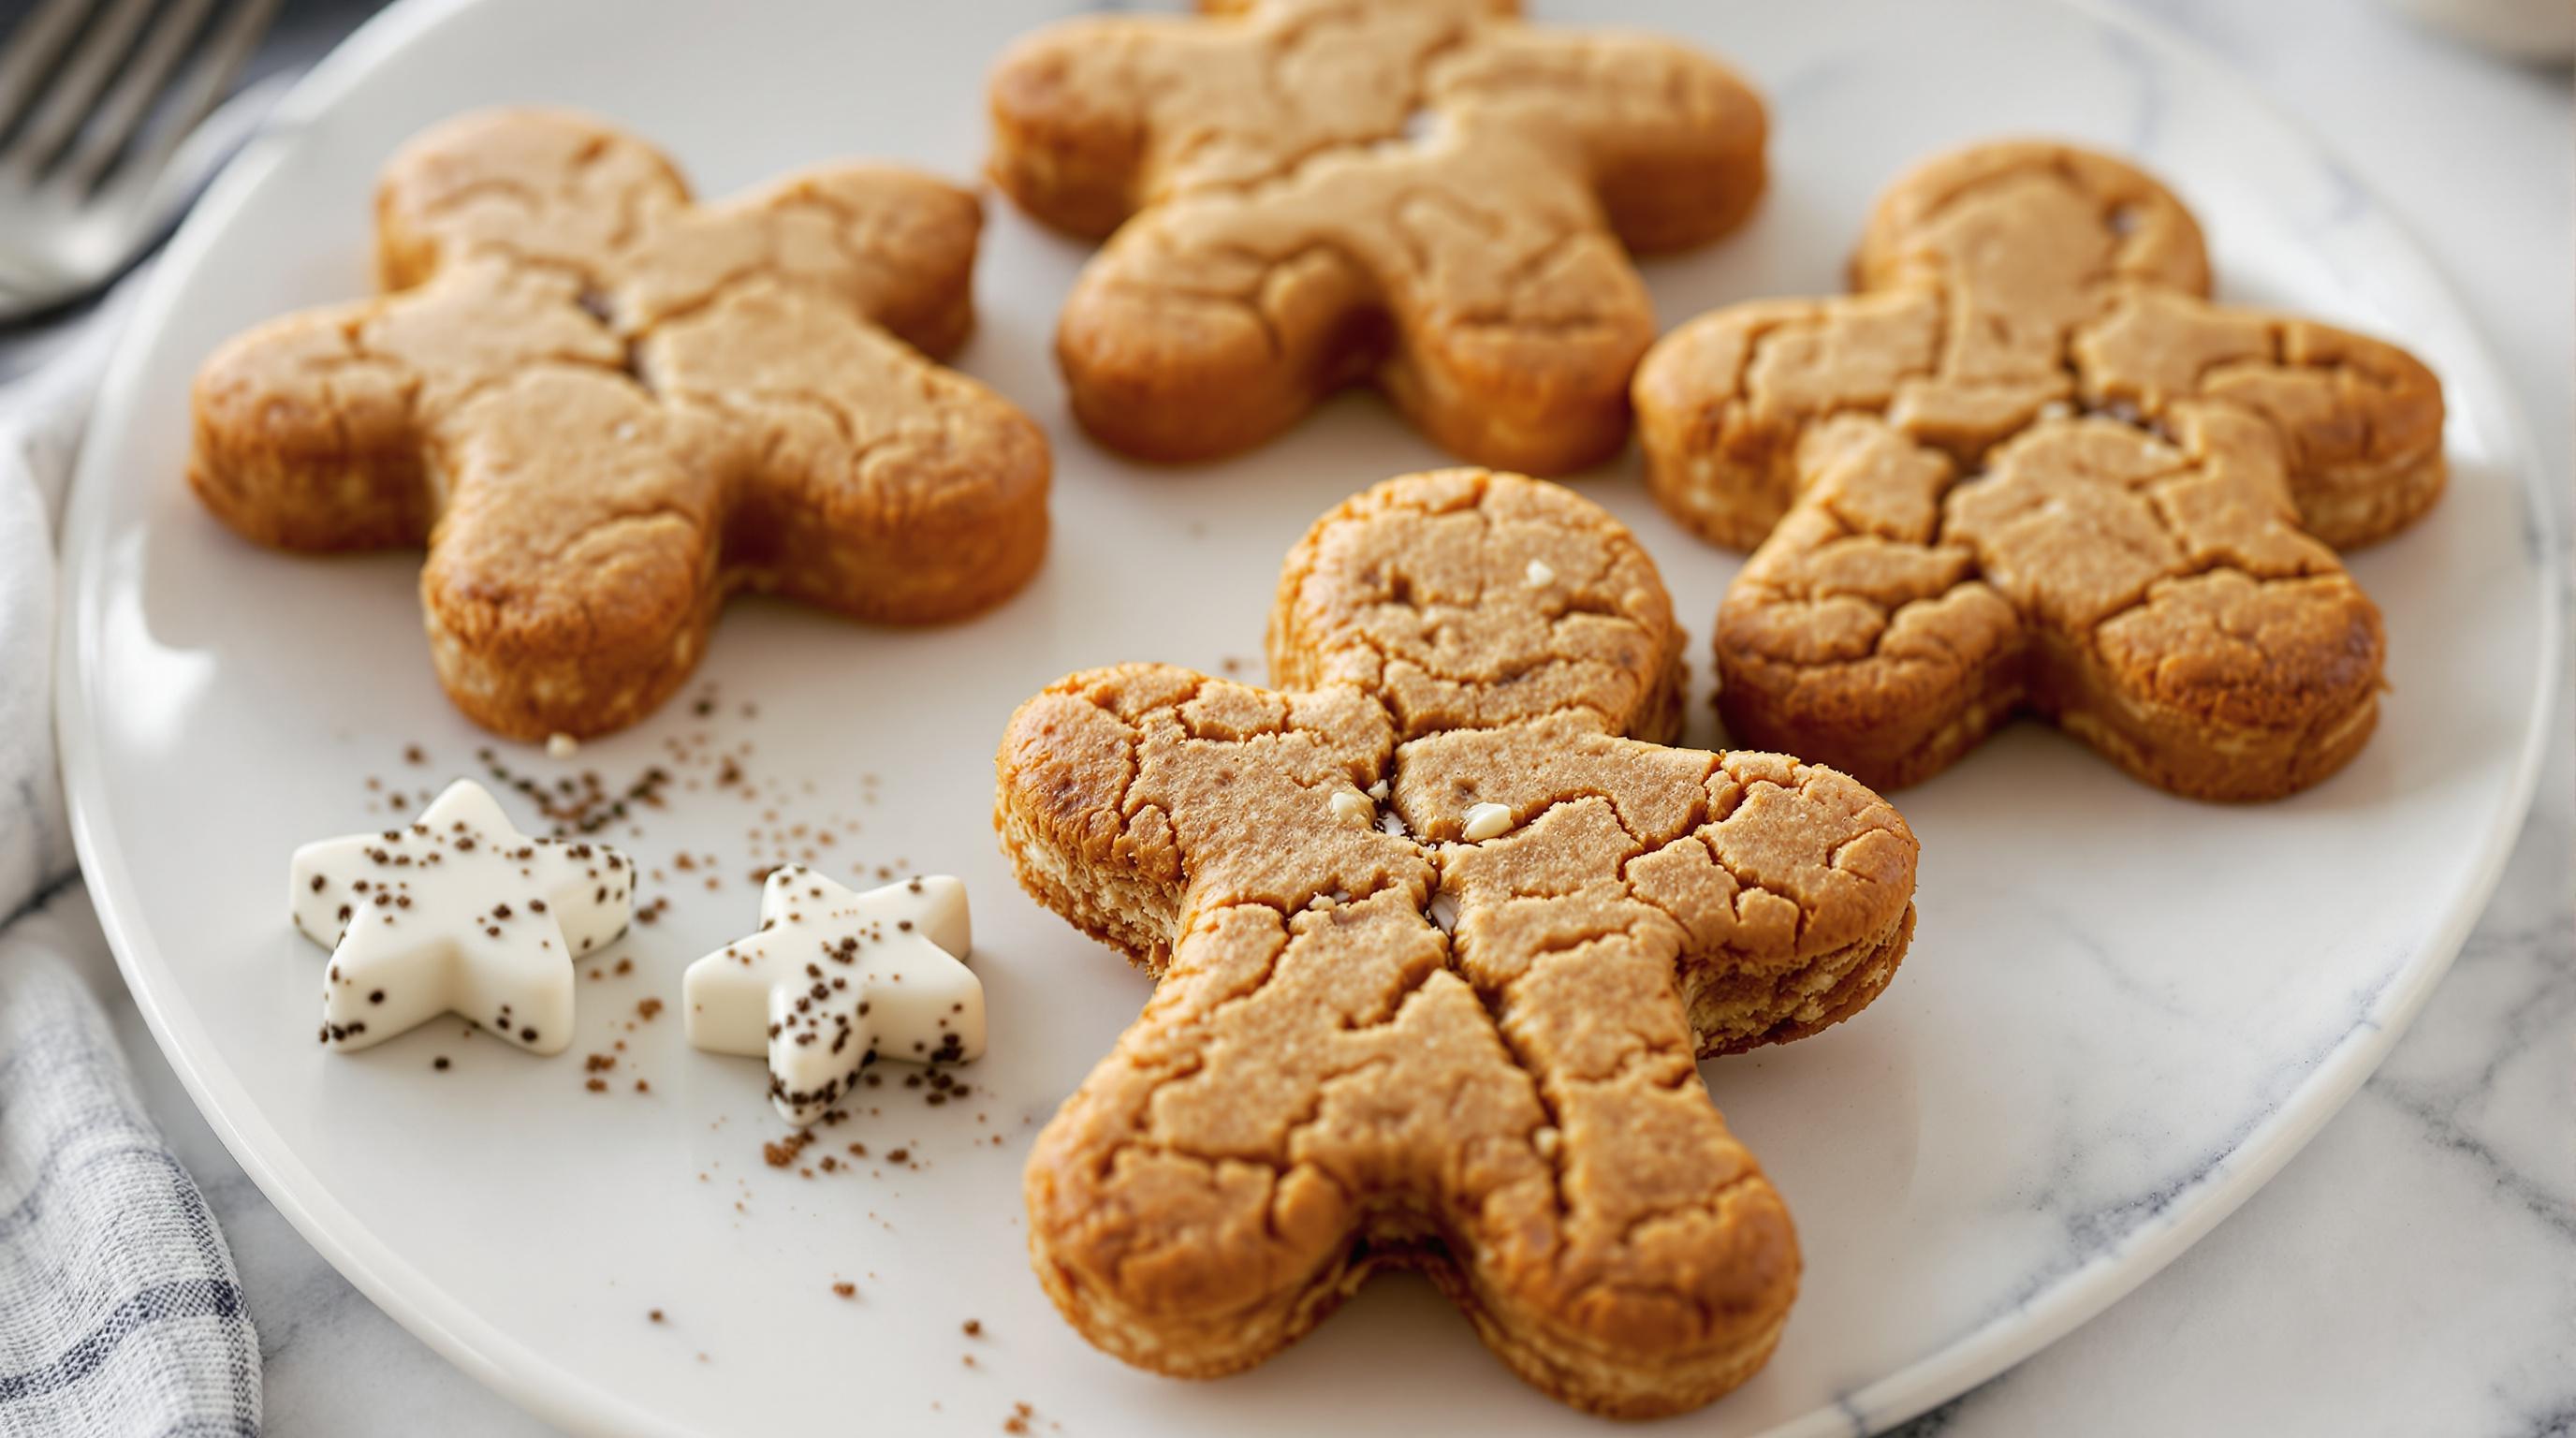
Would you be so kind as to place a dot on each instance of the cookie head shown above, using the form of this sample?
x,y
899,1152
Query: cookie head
x,y
603,407
2030,466
1427,195
1464,603
1439,942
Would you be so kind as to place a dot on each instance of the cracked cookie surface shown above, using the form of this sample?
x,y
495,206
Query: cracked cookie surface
x,y
1424,194
602,408
1378,1041
2030,466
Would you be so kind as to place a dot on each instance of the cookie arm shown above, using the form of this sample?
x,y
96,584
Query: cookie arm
x,y
1673,140
304,438
893,246
862,476
1071,122
317,431
2360,419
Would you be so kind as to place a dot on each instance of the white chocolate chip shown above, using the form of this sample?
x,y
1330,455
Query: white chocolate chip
x,y
1377,791
1488,821
1540,575
562,746
1444,913
1546,1140
2056,409
1350,808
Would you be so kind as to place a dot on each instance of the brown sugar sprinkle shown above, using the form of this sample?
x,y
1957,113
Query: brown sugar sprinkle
x,y
642,1087
599,1063
974,1328
624,966
596,1085
439,1063
898,1155
655,1315
846,1289
414,754
645,1009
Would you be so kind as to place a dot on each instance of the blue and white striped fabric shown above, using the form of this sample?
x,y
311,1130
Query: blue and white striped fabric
x,y
120,1311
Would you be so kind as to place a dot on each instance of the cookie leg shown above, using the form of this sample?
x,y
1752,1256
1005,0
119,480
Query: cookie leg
x,y
2179,620
1854,638
574,575
2223,686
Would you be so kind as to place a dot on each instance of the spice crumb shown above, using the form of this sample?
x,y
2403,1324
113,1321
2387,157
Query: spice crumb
x,y
780,1155
846,1289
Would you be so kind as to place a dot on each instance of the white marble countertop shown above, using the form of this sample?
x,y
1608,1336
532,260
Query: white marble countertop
x,y
2412,1271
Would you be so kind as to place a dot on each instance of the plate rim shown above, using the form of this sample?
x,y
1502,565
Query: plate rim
x,y
556,1395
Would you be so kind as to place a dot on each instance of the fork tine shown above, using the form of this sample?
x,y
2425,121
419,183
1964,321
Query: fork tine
x,y
77,85
227,48
122,113
32,47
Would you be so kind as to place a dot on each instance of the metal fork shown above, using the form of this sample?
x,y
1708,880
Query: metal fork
x,y
86,186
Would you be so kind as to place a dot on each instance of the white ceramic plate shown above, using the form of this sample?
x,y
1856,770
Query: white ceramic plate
x,y
2123,1011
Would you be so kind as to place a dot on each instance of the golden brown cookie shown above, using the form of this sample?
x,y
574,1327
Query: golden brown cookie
x,y
1438,945
1425,194
604,408
2029,465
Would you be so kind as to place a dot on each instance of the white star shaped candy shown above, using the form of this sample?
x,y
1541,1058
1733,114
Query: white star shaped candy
x,y
457,912
835,978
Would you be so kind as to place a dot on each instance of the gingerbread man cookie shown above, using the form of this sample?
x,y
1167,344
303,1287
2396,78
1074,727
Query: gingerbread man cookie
x,y
603,408
2030,466
1439,943
1426,194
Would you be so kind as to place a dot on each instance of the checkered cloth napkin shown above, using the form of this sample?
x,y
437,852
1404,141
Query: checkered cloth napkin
x,y
120,1312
